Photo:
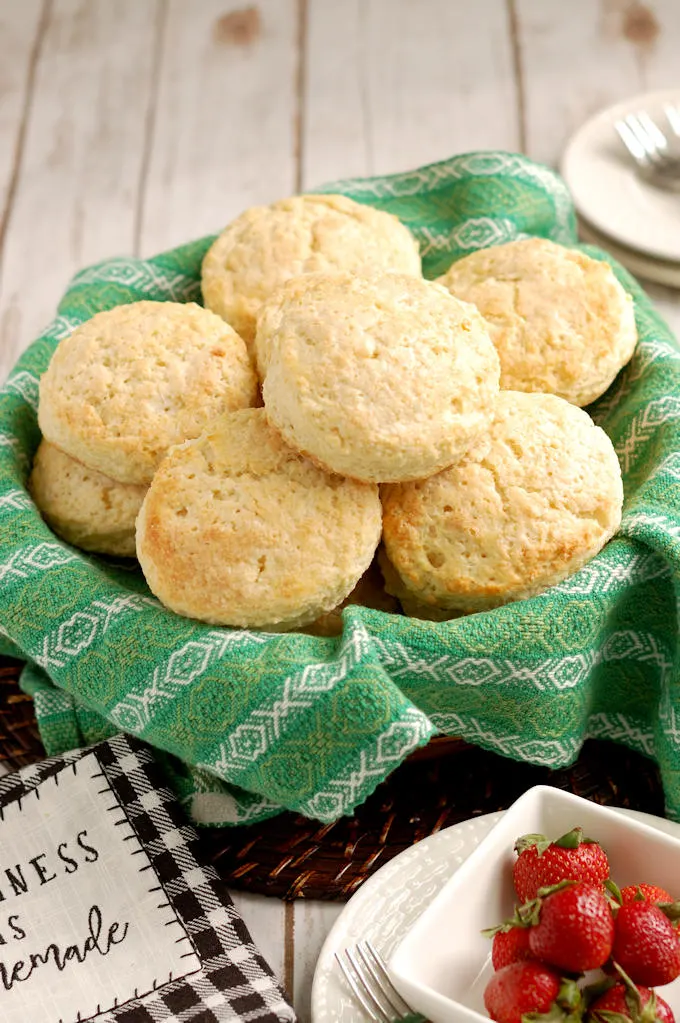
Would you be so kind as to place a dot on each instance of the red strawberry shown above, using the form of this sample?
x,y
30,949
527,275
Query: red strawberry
x,y
510,946
639,1005
574,928
541,863
646,944
529,987
644,892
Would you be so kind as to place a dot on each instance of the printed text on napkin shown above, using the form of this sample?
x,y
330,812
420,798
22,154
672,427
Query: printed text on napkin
x,y
84,922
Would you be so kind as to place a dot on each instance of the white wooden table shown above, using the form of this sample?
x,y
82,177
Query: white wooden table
x,y
129,126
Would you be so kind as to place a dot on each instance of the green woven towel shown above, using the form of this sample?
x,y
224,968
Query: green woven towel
x,y
312,724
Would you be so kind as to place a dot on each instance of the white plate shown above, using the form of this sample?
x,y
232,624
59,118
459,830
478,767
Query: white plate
x,y
660,271
442,970
607,191
388,904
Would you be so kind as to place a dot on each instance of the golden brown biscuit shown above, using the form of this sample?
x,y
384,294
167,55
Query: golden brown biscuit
x,y
267,245
85,508
379,378
530,503
239,529
560,321
410,605
135,379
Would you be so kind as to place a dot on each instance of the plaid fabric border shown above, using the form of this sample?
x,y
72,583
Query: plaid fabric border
x,y
235,983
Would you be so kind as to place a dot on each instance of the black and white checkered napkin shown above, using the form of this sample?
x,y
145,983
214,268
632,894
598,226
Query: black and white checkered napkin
x,y
181,955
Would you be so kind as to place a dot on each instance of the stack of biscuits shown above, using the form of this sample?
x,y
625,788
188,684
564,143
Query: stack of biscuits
x,y
327,401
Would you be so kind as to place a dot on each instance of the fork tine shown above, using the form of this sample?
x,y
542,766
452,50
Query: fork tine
x,y
365,996
648,144
672,113
653,130
644,138
399,1004
630,141
383,984
639,132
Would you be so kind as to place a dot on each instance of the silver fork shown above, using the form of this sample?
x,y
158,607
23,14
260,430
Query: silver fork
x,y
366,973
648,144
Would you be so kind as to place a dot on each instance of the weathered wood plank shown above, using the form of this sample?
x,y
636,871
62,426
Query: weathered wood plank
x,y
21,32
313,921
264,919
390,85
584,55
224,124
75,197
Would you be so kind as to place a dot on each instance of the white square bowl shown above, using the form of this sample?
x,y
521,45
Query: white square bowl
x,y
443,964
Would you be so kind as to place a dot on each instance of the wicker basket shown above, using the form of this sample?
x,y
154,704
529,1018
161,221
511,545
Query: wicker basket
x,y
445,782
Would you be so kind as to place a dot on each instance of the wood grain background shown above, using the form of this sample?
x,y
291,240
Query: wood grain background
x,y
133,125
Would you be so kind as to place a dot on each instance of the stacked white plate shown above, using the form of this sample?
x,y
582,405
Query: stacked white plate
x,y
636,222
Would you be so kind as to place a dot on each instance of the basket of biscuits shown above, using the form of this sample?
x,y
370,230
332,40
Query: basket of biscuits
x,y
391,460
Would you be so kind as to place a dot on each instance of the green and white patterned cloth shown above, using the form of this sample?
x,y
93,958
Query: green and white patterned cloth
x,y
252,722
